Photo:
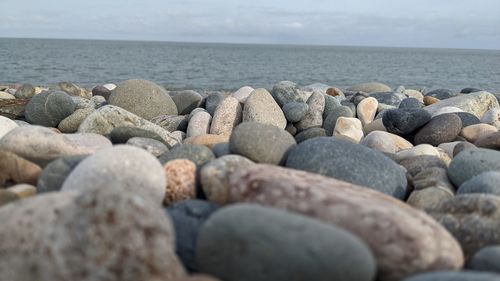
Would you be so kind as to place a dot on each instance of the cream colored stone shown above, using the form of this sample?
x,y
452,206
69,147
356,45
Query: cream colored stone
x,y
366,110
349,127
473,132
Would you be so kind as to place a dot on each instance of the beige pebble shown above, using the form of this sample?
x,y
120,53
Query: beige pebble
x,y
428,100
226,116
414,94
208,140
349,127
421,149
473,132
366,110
23,190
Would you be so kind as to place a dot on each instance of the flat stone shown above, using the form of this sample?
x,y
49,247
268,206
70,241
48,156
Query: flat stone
x,y
472,162
366,110
295,111
71,123
13,108
370,87
491,141
492,117
486,182
127,168
286,91
389,98
41,145
181,180
272,253
186,101
486,259
350,162
49,108
261,143
394,232
6,125
15,169
227,115
349,127
475,103
155,147
242,93
428,198
455,276
474,132
331,119
56,172
441,129
199,154
199,124
208,140
428,100
405,121
261,107
171,122
310,134
314,115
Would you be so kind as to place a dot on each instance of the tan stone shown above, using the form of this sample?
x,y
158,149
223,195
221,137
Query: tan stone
x,y
428,100
366,110
199,124
261,107
207,140
334,92
476,103
349,127
15,169
23,190
226,116
181,180
474,132
414,94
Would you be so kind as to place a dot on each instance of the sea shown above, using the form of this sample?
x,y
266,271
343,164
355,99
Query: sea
x,y
210,66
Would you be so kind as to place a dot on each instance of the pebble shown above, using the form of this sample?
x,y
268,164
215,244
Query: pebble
x,y
287,91
186,101
492,117
13,108
411,103
469,90
56,172
221,149
331,119
428,100
171,122
467,118
49,108
376,125
455,276
486,259
23,190
207,140
393,231
428,198
261,107
74,90
155,147
463,145
404,121
350,162
330,104
101,91
227,115
440,129
212,101
199,124
421,149
487,182
71,123
349,127
6,125
27,91
491,141
335,92
7,197
181,180
295,111
445,110
414,94
15,169
472,162
417,164
441,94
370,87
106,169
179,136
389,98
242,93
380,141
199,154
474,132
310,134
120,135
188,217
366,110
143,98
269,237
6,96
214,176
314,115
476,103
448,147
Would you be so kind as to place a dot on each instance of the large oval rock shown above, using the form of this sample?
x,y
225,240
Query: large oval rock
x,y
350,162
261,143
127,168
470,163
442,128
394,231
56,172
404,121
49,108
143,98
261,107
287,91
476,103
275,245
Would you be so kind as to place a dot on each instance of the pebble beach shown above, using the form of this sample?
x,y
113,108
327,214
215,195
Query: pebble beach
x,y
129,181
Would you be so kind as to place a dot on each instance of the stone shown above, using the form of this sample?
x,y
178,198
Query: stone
x,y
56,172
335,92
349,127
472,162
155,147
446,110
186,101
207,140
6,96
7,197
380,141
474,132
109,86
286,91
101,91
350,162
491,141
366,110
417,164
221,149
358,97
428,198
227,115
181,180
196,110
414,94
199,124
442,128
120,135
487,182
143,98
13,108
98,101
404,121
441,94
199,154
314,115
469,90
463,145
214,176
81,103
467,118
188,217
376,125
448,147
492,117
242,93
6,125
421,149
330,104
71,123
269,237
411,103
171,122
261,107
23,190
310,134
295,111
428,100
261,143
476,103
370,87
350,105
455,276
105,119
316,87
486,259
27,91
212,101
331,120
198,277
126,168
389,98
15,169
178,136
41,145
49,108
394,231
74,90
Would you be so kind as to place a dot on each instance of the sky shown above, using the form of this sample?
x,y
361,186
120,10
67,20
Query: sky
x,y
402,23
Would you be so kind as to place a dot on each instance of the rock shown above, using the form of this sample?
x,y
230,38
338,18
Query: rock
x,y
6,96
227,115
105,119
123,167
155,147
393,231
56,172
27,91
421,149
242,93
13,109
261,143
49,108
120,135
314,115
15,169
486,182
472,162
188,217
349,127
214,176
428,198
441,129
486,259
42,145
417,164
316,87
212,101
411,103
331,119
290,128
441,94
199,124
448,147
491,141
286,91
350,105
101,91
186,101
428,100
295,111
446,110
358,97
74,90
81,103
330,104
492,117
207,140
380,141
335,92
171,122
143,98
405,121
349,162
371,87
475,103
71,123
367,109
196,110
414,94
98,101
6,125
467,118
269,237
261,107
6,197
455,276
389,98
181,180
198,277
178,136
310,134
109,86
474,132
469,90
199,154
23,190
463,145
376,125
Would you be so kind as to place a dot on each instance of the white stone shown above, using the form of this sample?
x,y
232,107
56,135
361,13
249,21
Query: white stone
x,y
6,125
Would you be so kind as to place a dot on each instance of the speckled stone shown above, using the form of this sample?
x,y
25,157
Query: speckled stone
x,y
15,169
491,141
492,117
181,180
227,115
295,111
405,121
287,91
262,108
314,115
242,93
475,103
171,122
71,123
411,103
199,124
380,141
428,198
442,128
199,154
120,135
155,147
421,149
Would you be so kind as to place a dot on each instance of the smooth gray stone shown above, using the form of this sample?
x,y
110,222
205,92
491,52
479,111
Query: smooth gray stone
x,y
472,162
487,182
486,259
49,108
454,276
287,91
331,120
295,111
441,94
199,154
56,172
186,101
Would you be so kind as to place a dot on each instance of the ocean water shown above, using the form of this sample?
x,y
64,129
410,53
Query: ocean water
x,y
229,66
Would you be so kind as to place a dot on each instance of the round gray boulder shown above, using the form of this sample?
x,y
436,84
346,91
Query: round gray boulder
x,y
49,108
487,182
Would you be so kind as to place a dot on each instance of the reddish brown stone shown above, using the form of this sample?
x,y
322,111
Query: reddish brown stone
x,y
181,180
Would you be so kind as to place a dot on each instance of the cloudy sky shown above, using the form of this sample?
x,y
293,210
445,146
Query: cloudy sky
x,y
423,23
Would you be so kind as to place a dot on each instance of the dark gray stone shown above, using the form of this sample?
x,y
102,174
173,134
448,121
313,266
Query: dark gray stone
x,y
472,162
27,91
186,101
188,217
467,118
286,91
101,91
310,134
212,101
248,242
295,111
331,119
405,121
350,105
199,154
56,172
358,97
330,104
221,149
487,182
261,143
350,162
389,98
152,146
441,94
486,259
464,145
411,103
123,134
454,276
49,108
442,128
469,90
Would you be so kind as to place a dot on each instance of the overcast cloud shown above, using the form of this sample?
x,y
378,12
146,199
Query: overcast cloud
x,y
424,23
